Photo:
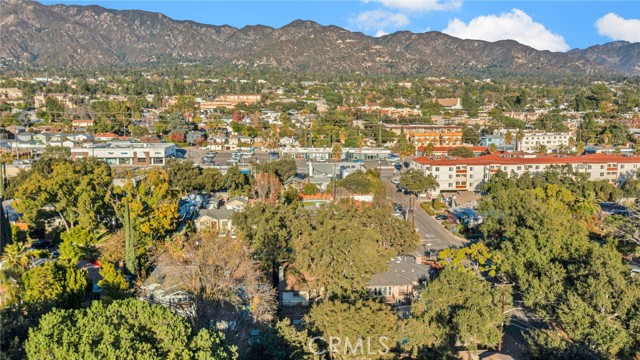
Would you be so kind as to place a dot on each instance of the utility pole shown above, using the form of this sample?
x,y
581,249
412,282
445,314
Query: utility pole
x,y
413,212
501,321
504,282
334,181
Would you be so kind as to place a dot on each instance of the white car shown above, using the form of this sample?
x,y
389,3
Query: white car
x,y
395,181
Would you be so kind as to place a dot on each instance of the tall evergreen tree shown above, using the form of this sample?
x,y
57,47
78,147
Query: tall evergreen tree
x,y
5,227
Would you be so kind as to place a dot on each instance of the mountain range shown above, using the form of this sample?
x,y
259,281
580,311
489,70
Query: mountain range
x,y
81,36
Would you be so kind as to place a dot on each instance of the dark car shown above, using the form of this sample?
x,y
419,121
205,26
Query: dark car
x,y
274,155
441,217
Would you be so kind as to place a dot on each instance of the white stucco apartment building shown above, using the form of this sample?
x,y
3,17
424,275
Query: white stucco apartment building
x,y
470,173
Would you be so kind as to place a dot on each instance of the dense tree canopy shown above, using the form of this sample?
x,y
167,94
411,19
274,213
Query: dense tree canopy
x,y
542,228
74,192
55,284
126,329
369,326
456,306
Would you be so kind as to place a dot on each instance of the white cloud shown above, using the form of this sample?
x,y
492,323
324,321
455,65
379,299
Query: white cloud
x,y
378,21
420,5
514,25
618,28
380,33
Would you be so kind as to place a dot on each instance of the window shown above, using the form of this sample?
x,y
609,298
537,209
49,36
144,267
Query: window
x,y
470,176
451,168
537,167
437,168
519,167
601,174
450,184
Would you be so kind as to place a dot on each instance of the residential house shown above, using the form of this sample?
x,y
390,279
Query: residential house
x,y
218,220
297,181
83,137
316,200
25,136
194,137
288,142
82,124
236,203
108,136
166,287
399,283
450,103
291,290
64,143
461,199
464,216
10,94
338,170
219,143
42,138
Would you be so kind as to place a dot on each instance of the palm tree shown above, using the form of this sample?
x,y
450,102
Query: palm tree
x,y
587,207
508,138
14,255
428,149
9,288
519,137
541,149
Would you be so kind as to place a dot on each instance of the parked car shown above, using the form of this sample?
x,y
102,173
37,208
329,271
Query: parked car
x,y
395,181
397,165
441,217
273,155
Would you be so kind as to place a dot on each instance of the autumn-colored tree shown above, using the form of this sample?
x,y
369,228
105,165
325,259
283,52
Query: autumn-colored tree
x,y
176,137
267,187
153,205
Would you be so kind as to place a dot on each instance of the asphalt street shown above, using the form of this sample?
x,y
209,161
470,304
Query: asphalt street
x,y
433,235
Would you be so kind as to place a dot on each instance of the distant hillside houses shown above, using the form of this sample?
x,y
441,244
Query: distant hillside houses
x,y
422,134
450,103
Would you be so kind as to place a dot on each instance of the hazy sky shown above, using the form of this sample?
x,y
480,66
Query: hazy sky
x,y
544,25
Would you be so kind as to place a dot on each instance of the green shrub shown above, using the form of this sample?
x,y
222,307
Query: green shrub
x,y
428,209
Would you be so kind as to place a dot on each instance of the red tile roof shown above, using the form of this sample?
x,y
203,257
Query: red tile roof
x,y
447,148
546,159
